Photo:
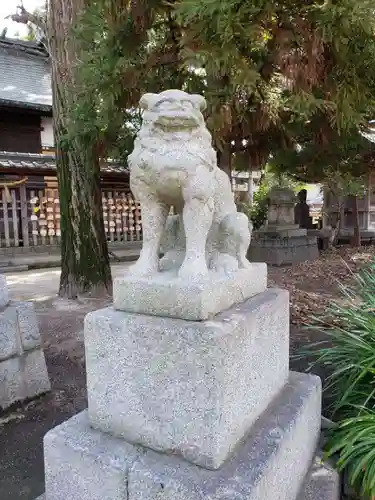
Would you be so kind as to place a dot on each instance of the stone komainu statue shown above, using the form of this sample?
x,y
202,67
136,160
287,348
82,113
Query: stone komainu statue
x,y
174,164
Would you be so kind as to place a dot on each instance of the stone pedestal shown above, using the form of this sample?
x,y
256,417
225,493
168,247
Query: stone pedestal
x,y
23,371
166,295
189,391
189,410
191,387
281,241
279,250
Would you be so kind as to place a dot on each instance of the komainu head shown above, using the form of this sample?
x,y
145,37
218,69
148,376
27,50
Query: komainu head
x,y
173,110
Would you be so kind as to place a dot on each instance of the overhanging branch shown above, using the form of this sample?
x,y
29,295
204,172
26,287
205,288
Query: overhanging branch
x,y
25,17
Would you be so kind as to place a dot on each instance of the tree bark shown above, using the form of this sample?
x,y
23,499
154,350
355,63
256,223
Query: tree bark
x,y
224,160
356,239
340,218
85,267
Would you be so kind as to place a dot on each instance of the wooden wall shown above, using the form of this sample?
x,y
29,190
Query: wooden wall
x,y
31,216
20,132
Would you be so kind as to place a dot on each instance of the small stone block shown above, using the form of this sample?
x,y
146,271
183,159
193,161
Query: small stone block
x,y
323,482
84,464
11,382
28,325
190,388
22,377
166,295
9,333
36,380
4,294
271,465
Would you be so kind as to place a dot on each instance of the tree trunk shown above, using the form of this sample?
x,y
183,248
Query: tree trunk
x,y
224,160
340,218
85,265
356,238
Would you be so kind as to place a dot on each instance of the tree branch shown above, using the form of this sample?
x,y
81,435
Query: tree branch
x,y
25,17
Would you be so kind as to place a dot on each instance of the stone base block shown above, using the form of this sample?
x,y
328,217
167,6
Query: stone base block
x,y
279,251
23,371
19,330
81,463
323,482
166,295
4,295
85,464
23,377
282,231
190,388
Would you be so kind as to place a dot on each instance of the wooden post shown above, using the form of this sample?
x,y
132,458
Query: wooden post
x,y
34,219
42,217
24,216
16,239
6,220
125,220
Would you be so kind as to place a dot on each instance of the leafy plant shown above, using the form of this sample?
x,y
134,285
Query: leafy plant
x,y
354,442
257,211
349,352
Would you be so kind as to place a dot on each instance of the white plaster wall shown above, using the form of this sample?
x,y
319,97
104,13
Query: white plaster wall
x,y
47,132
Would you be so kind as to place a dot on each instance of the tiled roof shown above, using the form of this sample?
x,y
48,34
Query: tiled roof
x,y
46,162
24,74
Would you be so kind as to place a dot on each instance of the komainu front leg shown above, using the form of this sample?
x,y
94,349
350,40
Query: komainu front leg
x,y
154,215
197,219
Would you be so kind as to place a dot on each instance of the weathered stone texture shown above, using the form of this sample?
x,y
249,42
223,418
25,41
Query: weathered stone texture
x,y
82,463
165,295
23,371
191,387
279,251
4,294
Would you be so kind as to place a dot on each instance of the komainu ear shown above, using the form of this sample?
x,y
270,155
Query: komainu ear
x,y
148,100
198,101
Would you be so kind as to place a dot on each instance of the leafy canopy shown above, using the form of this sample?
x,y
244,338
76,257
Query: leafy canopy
x,y
276,74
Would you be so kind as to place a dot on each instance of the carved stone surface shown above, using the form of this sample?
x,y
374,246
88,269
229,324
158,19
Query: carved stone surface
x,y
281,241
23,371
82,463
174,164
186,387
4,295
165,295
281,207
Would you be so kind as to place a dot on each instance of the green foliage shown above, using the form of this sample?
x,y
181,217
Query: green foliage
x,y
312,161
294,73
349,352
342,184
258,210
354,441
275,74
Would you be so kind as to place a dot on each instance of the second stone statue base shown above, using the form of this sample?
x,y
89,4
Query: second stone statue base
x,y
279,250
163,294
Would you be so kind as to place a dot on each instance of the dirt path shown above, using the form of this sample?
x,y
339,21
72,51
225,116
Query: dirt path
x,y
312,285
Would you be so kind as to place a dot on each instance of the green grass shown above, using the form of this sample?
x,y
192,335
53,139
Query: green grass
x,y
348,355
354,442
